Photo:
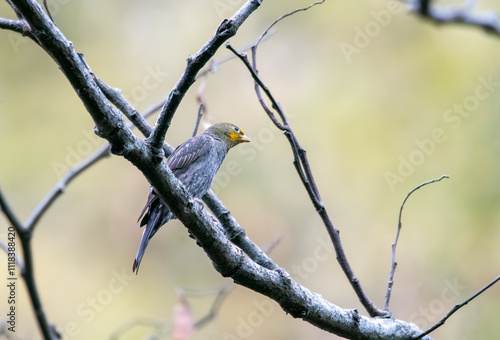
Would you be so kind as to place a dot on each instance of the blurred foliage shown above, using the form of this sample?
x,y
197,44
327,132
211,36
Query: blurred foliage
x,y
359,116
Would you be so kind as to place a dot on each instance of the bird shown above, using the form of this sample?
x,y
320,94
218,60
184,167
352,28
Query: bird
x,y
195,163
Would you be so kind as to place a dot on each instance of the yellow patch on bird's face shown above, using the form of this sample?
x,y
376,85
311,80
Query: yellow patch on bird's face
x,y
234,136
237,136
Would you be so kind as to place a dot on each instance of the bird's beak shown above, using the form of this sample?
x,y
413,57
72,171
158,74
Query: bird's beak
x,y
245,139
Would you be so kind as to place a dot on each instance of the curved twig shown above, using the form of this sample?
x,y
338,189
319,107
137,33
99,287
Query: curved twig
x,y
302,166
394,245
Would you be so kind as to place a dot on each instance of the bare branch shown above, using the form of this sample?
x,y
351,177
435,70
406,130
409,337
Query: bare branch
x,y
201,110
266,31
216,305
301,164
9,213
60,187
215,63
488,21
13,25
27,270
457,307
116,97
47,9
394,245
236,234
226,30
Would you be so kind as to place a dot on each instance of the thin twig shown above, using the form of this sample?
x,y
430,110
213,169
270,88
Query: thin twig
x,y
201,110
73,172
214,64
394,264
216,305
47,10
488,21
60,187
457,307
115,96
266,31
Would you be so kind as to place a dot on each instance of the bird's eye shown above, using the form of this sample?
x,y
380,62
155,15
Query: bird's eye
x,y
237,129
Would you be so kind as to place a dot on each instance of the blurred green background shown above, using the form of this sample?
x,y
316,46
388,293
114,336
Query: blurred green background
x,y
372,92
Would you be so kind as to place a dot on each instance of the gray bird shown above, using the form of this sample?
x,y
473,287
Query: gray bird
x,y
194,163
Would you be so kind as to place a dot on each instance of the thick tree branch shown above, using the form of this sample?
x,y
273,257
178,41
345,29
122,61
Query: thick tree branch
x,y
488,21
195,63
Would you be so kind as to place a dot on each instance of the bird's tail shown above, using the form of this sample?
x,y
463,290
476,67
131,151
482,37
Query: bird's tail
x,y
146,236
157,215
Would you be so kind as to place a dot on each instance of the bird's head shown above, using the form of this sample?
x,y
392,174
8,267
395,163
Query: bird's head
x,y
229,133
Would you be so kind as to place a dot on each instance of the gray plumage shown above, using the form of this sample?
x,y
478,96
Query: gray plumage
x,y
195,163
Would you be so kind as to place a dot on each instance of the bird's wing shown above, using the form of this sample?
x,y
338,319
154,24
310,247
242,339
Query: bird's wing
x,y
150,200
188,152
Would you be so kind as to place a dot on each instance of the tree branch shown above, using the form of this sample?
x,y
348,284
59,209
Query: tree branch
x,y
13,25
27,270
394,264
195,63
303,169
457,307
488,21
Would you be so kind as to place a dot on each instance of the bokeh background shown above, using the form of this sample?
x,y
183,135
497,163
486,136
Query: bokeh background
x,y
372,92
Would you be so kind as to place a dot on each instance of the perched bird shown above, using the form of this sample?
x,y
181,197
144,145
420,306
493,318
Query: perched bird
x,y
194,163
